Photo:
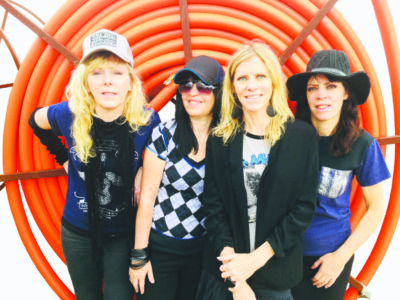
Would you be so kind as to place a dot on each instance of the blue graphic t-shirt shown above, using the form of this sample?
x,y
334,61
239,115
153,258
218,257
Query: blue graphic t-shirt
x,y
331,224
112,209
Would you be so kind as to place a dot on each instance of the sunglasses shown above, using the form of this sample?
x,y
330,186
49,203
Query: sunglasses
x,y
202,88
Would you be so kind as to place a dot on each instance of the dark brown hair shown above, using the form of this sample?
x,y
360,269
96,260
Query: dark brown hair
x,y
347,130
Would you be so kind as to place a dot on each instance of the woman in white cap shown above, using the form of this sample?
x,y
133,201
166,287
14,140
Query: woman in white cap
x,y
170,222
105,126
327,95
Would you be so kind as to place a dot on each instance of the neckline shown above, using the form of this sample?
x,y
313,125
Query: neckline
x,y
253,136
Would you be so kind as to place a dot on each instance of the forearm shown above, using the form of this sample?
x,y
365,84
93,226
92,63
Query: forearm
x,y
144,219
260,256
39,123
153,169
361,233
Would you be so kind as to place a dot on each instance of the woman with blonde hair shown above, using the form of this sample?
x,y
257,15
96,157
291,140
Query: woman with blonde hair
x,y
105,126
260,184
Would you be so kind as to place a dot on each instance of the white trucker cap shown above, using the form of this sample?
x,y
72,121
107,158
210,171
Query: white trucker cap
x,y
106,40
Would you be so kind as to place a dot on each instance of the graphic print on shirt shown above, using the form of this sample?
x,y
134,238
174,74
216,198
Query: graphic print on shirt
x,y
332,183
253,169
108,151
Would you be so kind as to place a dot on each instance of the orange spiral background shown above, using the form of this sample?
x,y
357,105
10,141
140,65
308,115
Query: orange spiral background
x,y
153,29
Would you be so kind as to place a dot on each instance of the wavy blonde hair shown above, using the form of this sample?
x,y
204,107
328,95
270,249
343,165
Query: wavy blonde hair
x,y
231,111
82,103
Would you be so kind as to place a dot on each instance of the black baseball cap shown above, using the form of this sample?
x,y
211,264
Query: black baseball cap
x,y
207,69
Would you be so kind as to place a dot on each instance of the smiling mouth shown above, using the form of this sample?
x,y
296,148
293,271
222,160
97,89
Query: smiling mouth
x,y
322,106
108,94
251,97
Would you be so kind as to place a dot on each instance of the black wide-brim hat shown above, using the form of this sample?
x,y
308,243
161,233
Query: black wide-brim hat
x,y
332,63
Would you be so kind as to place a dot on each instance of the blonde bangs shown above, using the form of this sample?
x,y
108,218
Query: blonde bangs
x,y
229,125
82,103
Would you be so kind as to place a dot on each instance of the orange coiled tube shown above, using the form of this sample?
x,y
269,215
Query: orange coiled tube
x,y
153,29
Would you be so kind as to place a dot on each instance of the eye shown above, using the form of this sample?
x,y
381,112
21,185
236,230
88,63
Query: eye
x,y
241,78
97,72
311,88
332,86
261,76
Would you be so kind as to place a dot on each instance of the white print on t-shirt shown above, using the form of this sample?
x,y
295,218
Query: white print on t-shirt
x,y
333,182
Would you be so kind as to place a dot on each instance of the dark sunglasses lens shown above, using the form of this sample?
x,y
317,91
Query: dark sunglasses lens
x,y
203,89
185,87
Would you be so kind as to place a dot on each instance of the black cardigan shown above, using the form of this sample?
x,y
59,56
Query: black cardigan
x,y
285,203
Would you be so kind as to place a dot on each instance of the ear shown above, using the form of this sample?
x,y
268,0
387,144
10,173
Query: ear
x,y
345,95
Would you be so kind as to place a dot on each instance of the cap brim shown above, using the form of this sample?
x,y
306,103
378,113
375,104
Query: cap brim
x,y
96,50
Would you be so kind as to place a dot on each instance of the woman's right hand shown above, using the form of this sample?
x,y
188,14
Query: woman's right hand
x,y
138,277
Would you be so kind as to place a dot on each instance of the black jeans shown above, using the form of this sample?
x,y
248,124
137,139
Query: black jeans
x,y
77,251
176,277
212,288
305,290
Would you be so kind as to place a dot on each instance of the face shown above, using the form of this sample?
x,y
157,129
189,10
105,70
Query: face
x,y
252,85
109,86
325,99
197,99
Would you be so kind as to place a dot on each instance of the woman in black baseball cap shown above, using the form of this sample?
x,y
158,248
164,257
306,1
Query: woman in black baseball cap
x,y
327,96
170,228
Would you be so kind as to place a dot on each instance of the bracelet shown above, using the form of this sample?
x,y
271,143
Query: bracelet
x,y
135,265
139,257
140,254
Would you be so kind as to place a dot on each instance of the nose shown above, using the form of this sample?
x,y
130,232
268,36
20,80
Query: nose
x,y
321,93
251,84
107,77
193,91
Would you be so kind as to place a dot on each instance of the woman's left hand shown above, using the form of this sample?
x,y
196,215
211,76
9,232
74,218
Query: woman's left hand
x,y
330,266
237,266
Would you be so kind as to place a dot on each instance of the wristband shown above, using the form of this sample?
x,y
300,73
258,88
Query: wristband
x,y
49,139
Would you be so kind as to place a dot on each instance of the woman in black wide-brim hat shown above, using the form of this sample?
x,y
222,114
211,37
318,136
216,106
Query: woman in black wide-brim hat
x,y
327,95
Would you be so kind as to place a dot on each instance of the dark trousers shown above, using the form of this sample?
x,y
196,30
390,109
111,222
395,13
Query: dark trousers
x,y
176,277
212,288
305,290
77,251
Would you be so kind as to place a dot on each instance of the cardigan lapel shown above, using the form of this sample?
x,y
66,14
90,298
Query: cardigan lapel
x,y
237,179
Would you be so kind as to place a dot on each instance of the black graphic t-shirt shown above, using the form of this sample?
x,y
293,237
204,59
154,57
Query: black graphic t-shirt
x,y
111,179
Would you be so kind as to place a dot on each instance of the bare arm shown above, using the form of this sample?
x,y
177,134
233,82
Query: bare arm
x,y
332,264
153,169
41,118
240,266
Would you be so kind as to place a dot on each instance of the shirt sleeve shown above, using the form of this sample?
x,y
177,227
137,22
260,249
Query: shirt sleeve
x,y
373,168
157,143
53,115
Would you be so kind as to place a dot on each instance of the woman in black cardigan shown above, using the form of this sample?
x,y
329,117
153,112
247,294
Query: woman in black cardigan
x,y
260,184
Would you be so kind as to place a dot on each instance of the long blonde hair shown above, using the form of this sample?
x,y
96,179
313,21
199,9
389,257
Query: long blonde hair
x,y
82,103
231,111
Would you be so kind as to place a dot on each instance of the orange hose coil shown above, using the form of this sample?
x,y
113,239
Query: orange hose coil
x,y
152,27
